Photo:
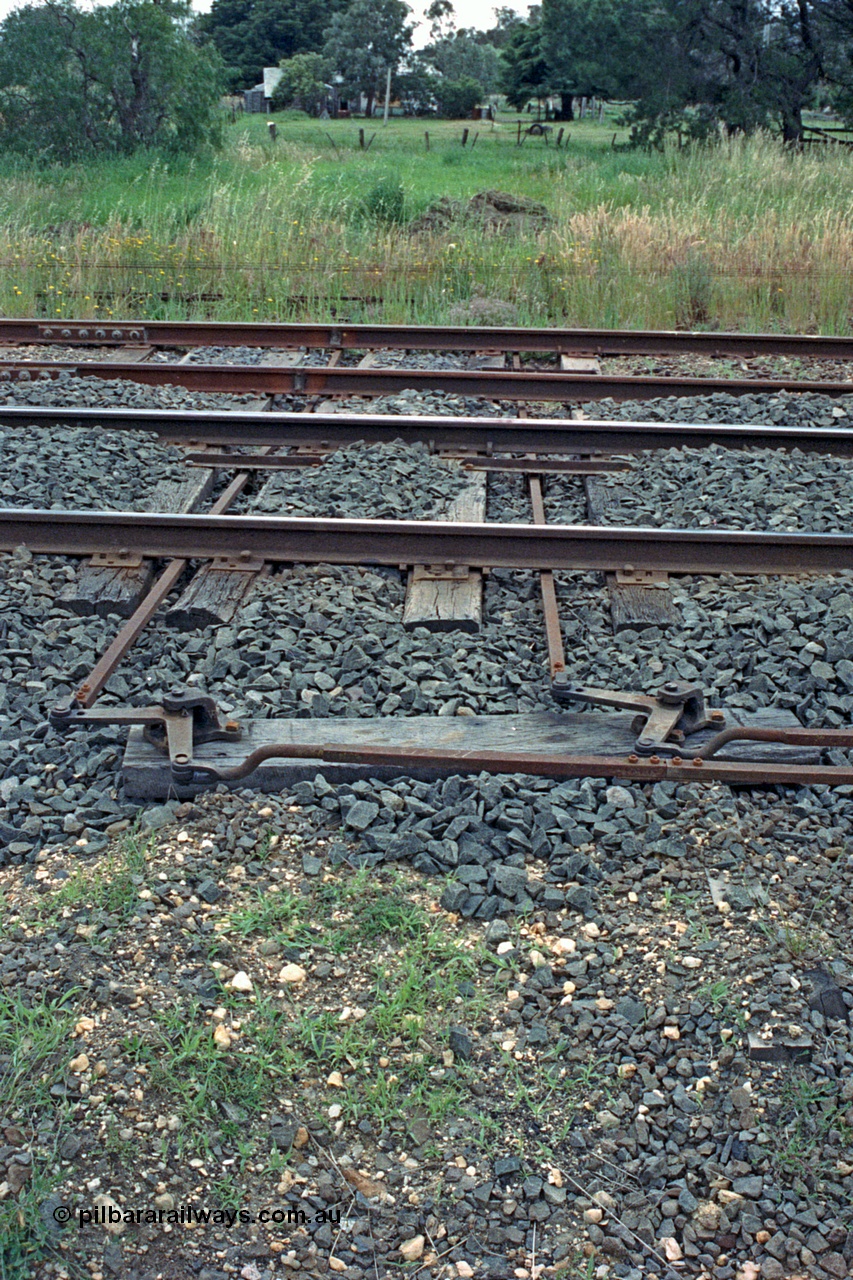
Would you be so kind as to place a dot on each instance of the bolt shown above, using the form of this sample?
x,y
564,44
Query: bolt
x,y
632,759
66,333
48,333
231,726
245,555
698,761
671,686
116,333
84,333
181,758
717,716
654,759
100,333
627,568
645,741
677,760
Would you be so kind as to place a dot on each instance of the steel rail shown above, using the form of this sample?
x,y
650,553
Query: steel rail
x,y
504,384
485,435
168,333
400,542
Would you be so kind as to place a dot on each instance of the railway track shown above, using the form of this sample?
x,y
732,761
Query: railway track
x,y
368,337
449,556
733,671
498,385
283,360
480,435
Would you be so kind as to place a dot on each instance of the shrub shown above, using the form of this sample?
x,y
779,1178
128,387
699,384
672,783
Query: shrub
x,y
458,98
386,201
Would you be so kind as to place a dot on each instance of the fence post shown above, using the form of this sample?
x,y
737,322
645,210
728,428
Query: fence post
x,y
426,139
464,136
361,138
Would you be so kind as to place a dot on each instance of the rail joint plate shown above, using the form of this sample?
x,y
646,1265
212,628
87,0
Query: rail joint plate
x,y
92,333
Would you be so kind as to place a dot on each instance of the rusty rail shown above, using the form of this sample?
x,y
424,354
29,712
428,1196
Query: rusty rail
x,y
396,542
485,435
168,333
502,384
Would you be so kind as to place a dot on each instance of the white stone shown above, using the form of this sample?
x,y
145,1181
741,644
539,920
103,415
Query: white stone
x,y
413,1249
292,973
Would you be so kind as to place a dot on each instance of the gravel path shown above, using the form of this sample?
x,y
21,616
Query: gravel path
x,y
579,1081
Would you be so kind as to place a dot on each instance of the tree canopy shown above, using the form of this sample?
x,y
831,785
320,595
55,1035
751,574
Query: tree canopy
x,y
691,64
302,83
253,34
364,41
110,79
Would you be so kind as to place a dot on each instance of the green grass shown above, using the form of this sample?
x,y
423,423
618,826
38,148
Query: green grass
x,y
186,1064
414,974
809,1111
108,893
34,1054
741,235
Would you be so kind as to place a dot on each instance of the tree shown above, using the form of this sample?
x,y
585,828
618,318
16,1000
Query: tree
x,y
458,98
525,71
695,65
302,83
364,41
593,48
739,64
441,18
462,56
112,79
832,29
253,34
416,84
506,22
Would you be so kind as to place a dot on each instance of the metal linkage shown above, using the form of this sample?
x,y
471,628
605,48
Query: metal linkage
x,y
671,715
184,721
377,381
168,333
481,435
181,723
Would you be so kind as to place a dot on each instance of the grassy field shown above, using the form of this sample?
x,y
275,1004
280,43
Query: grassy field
x,y
744,235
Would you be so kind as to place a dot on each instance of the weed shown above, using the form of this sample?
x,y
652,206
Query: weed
x,y
808,1111
109,891
719,996
692,282
272,914
185,1062
33,1040
385,201
33,1052
25,1231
